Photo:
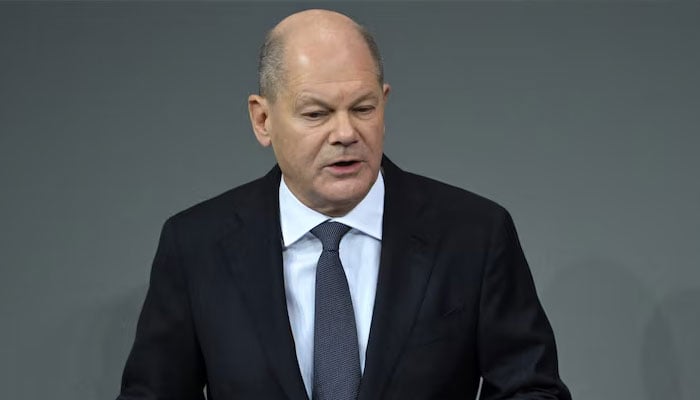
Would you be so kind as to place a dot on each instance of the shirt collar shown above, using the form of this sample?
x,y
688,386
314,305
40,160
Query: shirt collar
x,y
296,219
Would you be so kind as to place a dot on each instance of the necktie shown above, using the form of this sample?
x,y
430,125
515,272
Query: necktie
x,y
336,353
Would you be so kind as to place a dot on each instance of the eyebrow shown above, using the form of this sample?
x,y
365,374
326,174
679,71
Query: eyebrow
x,y
308,98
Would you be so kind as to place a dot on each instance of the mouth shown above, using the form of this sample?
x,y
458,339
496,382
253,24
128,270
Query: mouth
x,y
346,163
344,167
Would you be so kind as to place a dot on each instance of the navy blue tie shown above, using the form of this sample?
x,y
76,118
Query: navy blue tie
x,y
336,352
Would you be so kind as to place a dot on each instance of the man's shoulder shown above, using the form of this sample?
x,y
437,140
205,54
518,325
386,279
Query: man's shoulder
x,y
444,199
250,197
443,191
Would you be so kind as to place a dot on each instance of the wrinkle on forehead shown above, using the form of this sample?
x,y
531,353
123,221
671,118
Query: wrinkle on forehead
x,y
352,94
304,79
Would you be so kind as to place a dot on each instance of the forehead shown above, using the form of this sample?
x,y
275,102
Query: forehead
x,y
329,57
334,94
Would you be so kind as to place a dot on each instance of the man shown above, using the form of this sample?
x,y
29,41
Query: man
x,y
421,289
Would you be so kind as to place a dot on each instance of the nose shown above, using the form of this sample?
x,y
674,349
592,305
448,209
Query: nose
x,y
343,131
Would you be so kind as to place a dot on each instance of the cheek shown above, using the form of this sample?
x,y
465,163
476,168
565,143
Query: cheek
x,y
299,152
285,141
375,134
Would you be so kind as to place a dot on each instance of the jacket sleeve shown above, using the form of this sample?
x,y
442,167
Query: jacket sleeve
x,y
516,349
165,361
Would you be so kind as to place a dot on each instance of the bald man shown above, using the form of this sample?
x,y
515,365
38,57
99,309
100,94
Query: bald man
x,y
423,291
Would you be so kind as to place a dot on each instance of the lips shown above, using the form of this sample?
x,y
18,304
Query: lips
x,y
344,163
344,167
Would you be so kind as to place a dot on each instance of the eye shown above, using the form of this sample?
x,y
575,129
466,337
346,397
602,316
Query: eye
x,y
314,115
364,109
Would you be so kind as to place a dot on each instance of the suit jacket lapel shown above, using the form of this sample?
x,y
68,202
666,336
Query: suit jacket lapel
x,y
405,266
254,252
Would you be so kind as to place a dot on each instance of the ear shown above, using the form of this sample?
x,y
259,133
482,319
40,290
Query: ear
x,y
385,96
259,112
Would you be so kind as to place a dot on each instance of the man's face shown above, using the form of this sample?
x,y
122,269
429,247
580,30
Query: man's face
x,y
326,125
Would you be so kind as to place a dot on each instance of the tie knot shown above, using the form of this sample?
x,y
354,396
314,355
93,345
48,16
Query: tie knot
x,y
330,233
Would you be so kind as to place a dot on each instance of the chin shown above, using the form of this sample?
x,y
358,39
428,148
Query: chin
x,y
348,195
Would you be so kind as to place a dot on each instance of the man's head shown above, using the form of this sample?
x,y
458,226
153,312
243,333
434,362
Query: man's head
x,y
321,108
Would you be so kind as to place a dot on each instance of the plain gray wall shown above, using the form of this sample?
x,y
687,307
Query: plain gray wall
x,y
582,119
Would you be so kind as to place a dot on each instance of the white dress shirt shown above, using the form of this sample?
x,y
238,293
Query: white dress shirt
x,y
359,253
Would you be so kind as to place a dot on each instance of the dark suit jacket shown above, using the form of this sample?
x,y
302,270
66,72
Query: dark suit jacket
x,y
455,301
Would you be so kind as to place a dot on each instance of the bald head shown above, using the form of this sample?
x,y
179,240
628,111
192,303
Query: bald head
x,y
296,37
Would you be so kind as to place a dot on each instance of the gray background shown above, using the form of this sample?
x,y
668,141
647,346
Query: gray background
x,y
581,119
